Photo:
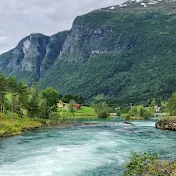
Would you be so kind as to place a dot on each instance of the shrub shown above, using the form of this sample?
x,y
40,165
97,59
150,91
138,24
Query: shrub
x,y
141,112
118,113
102,109
146,114
127,117
133,111
148,164
55,116
103,114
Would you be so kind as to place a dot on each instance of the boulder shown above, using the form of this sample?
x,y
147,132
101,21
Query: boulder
x,y
168,123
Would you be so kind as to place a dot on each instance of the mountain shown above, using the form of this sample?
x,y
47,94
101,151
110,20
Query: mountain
x,y
125,52
33,56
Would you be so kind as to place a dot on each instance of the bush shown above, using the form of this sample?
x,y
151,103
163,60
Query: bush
x,y
127,117
133,111
103,114
102,109
139,164
146,114
140,112
118,113
55,116
148,164
71,106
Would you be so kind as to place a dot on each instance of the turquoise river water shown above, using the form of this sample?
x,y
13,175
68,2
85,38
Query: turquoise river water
x,y
94,150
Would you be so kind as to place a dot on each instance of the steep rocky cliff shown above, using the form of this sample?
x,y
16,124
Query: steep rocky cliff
x,y
126,52
33,56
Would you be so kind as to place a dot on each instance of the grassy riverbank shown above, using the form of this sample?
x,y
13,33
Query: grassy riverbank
x,y
11,125
15,126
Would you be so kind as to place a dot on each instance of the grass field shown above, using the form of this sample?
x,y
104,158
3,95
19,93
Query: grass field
x,y
84,112
86,109
15,126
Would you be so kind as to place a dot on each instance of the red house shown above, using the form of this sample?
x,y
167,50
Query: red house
x,y
77,106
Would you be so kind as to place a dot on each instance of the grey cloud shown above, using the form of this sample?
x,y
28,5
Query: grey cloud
x,y
20,18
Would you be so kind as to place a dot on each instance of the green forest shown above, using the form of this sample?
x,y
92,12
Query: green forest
x,y
22,107
138,62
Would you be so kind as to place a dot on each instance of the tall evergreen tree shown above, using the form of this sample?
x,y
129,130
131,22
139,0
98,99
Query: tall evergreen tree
x,y
23,93
12,88
2,92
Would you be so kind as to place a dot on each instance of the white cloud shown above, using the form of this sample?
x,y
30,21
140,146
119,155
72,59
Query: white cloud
x,y
19,18
3,38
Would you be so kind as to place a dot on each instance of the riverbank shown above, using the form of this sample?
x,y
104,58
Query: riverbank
x,y
12,127
16,126
167,123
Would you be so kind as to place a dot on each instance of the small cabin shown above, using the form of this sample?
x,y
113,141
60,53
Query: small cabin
x,y
60,104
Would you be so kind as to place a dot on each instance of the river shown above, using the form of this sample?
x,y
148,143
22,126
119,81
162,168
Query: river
x,y
94,150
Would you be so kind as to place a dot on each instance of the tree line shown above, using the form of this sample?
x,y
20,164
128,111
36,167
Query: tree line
x,y
18,97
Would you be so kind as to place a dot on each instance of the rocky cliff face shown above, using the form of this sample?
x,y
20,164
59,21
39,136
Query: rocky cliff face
x,y
103,31
126,52
33,56
83,42
118,51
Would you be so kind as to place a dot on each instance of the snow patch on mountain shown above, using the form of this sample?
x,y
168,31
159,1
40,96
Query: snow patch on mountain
x,y
112,8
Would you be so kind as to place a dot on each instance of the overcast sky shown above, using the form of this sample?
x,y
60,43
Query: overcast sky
x,y
19,18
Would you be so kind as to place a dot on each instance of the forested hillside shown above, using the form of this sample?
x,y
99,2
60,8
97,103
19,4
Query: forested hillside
x,y
126,53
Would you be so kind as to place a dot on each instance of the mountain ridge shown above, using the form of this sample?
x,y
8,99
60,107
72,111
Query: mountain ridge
x,y
125,52
33,56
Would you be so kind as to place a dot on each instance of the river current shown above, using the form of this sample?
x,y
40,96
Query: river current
x,y
94,150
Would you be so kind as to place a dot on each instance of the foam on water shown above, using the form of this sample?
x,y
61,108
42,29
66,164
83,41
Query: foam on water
x,y
145,123
62,160
79,151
